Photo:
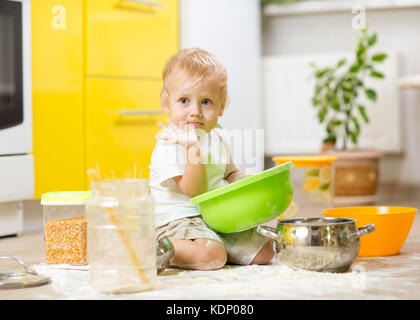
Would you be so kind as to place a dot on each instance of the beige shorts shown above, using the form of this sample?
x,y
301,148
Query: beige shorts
x,y
241,247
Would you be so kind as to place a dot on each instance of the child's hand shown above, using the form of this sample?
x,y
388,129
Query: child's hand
x,y
182,135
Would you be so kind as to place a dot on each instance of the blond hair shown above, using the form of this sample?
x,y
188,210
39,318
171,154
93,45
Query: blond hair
x,y
195,63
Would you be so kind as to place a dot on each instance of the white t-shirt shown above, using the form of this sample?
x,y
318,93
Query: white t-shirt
x,y
169,161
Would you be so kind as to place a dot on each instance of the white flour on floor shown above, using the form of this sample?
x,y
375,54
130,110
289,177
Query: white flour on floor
x,y
369,278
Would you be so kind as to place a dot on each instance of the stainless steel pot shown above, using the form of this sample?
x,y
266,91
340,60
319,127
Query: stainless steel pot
x,y
164,253
317,244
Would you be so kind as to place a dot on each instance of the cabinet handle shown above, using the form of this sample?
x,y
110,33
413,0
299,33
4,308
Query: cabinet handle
x,y
152,3
140,112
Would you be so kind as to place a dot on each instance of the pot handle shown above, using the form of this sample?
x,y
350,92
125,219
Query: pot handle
x,y
269,233
362,231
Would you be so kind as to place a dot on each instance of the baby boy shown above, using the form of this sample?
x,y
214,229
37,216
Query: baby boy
x,y
194,95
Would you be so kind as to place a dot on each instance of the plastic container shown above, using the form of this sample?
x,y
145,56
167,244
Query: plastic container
x,y
65,229
248,202
121,236
313,185
393,224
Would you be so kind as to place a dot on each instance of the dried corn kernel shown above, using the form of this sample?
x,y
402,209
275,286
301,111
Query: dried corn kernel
x,y
66,241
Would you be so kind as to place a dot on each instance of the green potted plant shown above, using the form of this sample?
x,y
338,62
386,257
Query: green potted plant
x,y
336,97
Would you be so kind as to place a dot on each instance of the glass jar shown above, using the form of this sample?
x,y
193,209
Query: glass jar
x,y
65,229
313,185
121,236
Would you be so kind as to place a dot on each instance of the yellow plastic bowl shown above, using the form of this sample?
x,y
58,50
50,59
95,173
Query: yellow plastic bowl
x,y
392,227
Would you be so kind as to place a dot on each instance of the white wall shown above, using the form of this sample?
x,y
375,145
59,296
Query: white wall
x,y
231,30
398,29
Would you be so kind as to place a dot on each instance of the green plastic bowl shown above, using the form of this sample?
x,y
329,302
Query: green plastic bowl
x,y
249,202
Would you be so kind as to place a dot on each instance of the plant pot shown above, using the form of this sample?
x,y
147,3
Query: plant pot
x,y
356,175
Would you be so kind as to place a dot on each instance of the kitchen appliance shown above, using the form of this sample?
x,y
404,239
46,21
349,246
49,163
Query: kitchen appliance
x,y
317,244
16,161
248,202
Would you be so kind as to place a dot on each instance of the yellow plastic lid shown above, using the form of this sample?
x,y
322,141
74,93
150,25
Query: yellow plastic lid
x,y
65,198
306,161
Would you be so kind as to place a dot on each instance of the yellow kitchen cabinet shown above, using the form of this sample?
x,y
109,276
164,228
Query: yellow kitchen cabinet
x,y
130,39
57,96
86,78
121,123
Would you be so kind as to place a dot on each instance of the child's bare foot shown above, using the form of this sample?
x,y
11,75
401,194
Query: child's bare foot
x,y
265,255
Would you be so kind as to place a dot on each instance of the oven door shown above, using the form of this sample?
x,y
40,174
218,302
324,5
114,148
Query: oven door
x,y
15,78
16,160
11,100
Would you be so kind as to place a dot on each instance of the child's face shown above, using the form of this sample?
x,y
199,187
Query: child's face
x,y
199,105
